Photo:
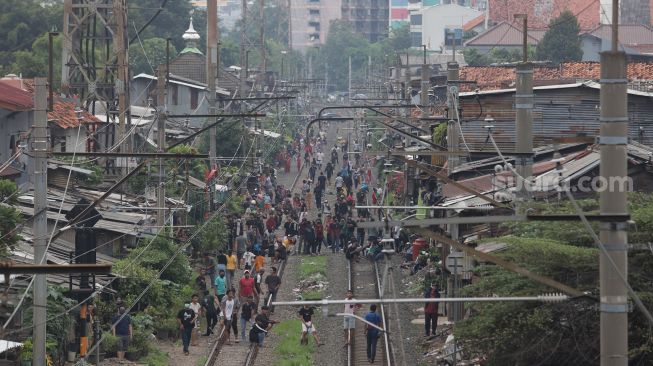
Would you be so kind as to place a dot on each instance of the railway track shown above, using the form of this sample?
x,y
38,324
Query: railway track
x,y
238,354
364,281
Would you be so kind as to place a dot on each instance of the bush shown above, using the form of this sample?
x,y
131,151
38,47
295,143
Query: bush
x,y
110,344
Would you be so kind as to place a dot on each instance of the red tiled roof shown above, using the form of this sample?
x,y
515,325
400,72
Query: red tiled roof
x,y
65,115
505,34
474,22
592,70
502,77
15,99
540,12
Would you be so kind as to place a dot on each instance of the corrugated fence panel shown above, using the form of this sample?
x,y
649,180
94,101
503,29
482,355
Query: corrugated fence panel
x,y
568,112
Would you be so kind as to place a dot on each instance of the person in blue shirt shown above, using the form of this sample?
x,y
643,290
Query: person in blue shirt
x,y
220,286
372,333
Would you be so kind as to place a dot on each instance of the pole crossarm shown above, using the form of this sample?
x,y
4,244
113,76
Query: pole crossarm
x,y
137,155
54,268
501,262
419,300
237,115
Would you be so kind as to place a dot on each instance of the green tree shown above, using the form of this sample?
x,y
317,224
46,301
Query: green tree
x,y
153,254
562,41
154,55
399,39
214,236
10,218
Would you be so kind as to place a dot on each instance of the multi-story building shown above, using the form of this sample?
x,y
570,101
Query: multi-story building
x,y
368,17
310,21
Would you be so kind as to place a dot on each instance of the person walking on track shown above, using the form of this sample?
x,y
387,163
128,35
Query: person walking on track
x,y
372,333
431,310
186,321
349,322
229,314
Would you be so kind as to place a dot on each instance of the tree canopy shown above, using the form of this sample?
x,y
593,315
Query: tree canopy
x,y
562,41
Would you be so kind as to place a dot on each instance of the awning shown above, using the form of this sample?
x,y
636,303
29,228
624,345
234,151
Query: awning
x,y
266,133
7,345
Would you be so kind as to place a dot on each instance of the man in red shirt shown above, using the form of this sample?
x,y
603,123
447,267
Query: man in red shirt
x,y
431,310
247,287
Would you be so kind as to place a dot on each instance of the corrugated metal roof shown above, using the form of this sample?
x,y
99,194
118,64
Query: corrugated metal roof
x,y
541,12
629,34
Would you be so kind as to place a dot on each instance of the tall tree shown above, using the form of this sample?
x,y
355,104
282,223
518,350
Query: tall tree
x,y
150,56
562,41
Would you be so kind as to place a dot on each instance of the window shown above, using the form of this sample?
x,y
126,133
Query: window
x,y
315,24
416,39
175,94
314,11
315,36
416,19
194,96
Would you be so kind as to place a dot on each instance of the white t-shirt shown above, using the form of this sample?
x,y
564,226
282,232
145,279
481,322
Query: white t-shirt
x,y
339,181
349,308
319,157
196,308
248,256
228,308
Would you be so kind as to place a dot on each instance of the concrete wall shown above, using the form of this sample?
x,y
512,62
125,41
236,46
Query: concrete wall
x,y
182,105
591,47
12,124
436,18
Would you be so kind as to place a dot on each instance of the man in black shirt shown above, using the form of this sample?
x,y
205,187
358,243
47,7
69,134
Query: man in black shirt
x,y
262,325
186,321
321,180
273,281
306,315
123,329
210,305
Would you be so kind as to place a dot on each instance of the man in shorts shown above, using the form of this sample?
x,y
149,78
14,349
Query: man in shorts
x,y
306,316
229,314
122,329
349,322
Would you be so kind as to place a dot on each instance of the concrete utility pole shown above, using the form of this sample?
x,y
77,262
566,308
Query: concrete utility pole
x,y
161,88
349,91
211,73
524,110
452,129
326,80
243,49
613,141
426,78
39,145
453,136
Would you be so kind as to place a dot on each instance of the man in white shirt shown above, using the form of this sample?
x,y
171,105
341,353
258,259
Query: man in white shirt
x,y
248,257
229,315
339,181
318,158
349,322
197,308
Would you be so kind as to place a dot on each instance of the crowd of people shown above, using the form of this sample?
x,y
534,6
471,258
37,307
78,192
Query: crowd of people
x,y
321,215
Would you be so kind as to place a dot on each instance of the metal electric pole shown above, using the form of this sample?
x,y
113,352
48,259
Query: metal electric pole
x,y
39,145
524,121
211,73
613,142
122,81
161,87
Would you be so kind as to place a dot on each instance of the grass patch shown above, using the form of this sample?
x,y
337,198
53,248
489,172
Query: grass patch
x,y
290,352
155,357
202,361
313,294
313,266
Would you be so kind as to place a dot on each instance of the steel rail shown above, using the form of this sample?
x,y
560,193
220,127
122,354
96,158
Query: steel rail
x,y
386,340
